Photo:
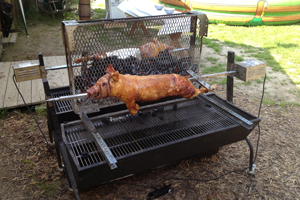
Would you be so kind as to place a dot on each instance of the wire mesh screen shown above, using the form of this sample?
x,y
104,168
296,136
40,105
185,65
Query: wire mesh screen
x,y
136,46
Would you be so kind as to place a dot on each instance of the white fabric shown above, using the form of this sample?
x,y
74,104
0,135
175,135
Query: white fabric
x,y
144,8
141,8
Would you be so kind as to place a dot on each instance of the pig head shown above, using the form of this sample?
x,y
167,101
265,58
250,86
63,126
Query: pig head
x,y
104,86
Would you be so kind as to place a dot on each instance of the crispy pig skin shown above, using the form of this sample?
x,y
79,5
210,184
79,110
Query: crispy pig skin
x,y
130,88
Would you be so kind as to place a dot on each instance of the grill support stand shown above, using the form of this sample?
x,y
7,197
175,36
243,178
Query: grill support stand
x,y
251,165
230,78
69,171
53,124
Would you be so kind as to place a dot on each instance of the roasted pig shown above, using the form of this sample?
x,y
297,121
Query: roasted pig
x,y
130,88
152,49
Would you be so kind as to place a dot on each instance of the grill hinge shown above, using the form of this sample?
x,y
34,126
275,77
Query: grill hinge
x,y
109,157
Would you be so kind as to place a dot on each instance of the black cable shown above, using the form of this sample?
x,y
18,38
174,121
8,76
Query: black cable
x,y
14,77
258,126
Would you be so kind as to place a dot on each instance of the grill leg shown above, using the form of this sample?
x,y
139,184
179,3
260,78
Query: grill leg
x,y
251,165
69,171
230,59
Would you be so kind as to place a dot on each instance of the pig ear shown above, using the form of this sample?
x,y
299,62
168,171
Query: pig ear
x,y
113,73
115,76
110,69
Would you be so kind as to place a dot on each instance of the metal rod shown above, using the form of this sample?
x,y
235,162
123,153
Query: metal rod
x,y
56,67
216,75
69,97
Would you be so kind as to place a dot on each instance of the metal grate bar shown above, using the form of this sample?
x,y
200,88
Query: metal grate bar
x,y
62,106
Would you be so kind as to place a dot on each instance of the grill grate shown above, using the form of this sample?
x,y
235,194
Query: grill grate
x,y
125,135
62,106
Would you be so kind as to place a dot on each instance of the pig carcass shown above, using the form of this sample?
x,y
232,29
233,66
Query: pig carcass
x,y
130,88
152,49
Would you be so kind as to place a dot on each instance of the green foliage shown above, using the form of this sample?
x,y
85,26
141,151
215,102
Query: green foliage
x,y
213,69
247,83
41,110
209,43
223,81
211,59
238,58
29,163
49,188
3,113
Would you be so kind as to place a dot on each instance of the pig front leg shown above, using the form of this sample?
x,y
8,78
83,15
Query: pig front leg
x,y
132,107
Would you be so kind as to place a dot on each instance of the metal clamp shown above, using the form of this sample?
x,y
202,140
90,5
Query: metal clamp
x,y
198,78
109,157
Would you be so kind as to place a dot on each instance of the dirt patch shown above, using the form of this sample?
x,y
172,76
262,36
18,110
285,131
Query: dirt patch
x,y
42,39
29,171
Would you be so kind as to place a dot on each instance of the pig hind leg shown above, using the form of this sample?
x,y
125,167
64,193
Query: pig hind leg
x,y
132,107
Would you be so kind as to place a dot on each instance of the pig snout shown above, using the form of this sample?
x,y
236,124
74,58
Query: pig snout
x,y
93,92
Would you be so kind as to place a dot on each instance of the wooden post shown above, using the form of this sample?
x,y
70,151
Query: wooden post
x,y
230,60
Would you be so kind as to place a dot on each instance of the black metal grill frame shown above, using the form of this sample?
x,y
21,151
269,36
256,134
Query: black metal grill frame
x,y
184,142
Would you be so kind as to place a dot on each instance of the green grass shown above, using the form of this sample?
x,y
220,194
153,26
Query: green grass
x,y
247,83
3,113
41,110
211,44
29,164
258,80
49,188
278,46
213,69
238,58
269,101
211,59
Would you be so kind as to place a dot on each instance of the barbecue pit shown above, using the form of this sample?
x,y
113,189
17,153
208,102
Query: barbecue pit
x,y
98,141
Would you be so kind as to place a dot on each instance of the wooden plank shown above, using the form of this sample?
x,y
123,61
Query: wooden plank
x,y
37,91
53,76
13,38
4,71
11,95
61,60
25,89
6,39
1,49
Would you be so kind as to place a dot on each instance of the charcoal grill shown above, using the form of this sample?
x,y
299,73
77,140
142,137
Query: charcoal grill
x,y
99,141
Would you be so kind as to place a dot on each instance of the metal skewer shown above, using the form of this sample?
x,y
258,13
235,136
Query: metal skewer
x,y
69,97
